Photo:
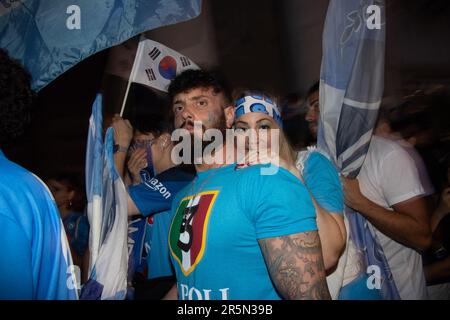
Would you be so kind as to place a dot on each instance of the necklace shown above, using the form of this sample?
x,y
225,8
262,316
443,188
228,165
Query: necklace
x,y
186,230
190,210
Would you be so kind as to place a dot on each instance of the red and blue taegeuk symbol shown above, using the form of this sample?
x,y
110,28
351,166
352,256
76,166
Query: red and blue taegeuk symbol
x,y
168,68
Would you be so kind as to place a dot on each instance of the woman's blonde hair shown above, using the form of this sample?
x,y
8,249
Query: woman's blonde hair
x,y
286,150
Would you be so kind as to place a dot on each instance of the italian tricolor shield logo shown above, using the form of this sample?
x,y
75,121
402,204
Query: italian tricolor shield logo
x,y
187,236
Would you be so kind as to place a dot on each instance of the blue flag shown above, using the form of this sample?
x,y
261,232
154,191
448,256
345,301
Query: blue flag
x,y
107,213
94,173
51,36
351,89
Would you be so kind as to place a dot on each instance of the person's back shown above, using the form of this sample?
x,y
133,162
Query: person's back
x,y
35,257
389,176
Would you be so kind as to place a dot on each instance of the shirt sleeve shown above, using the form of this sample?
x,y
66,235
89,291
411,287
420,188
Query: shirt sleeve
x,y
399,177
322,180
155,195
278,204
16,280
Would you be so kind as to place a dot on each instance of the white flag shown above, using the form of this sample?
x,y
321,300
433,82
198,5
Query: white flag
x,y
156,65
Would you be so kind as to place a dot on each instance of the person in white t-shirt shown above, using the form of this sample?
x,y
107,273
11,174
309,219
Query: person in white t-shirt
x,y
389,194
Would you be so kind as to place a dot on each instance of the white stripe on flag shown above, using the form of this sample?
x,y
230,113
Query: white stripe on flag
x,y
330,115
362,105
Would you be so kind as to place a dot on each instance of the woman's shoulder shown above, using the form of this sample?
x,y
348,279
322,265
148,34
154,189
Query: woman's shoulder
x,y
312,157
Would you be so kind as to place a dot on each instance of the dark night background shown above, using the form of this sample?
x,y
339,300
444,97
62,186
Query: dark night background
x,y
266,44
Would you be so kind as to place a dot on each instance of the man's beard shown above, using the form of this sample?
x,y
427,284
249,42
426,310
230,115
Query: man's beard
x,y
219,123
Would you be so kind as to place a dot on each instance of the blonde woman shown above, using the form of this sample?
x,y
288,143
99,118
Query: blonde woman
x,y
259,112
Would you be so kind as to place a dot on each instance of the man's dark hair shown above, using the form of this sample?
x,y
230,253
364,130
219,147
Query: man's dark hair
x,y
16,98
192,79
315,87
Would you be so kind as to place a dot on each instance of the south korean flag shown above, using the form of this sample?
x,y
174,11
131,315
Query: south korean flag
x,y
156,65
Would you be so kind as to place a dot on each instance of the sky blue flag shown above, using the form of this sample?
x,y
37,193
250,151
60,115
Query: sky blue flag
x,y
107,213
51,36
94,173
351,89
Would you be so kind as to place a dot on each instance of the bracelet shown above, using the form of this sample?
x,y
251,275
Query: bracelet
x,y
119,148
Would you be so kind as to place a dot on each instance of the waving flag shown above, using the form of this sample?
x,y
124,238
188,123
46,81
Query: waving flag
x,y
351,89
50,36
94,173
155,65
107,212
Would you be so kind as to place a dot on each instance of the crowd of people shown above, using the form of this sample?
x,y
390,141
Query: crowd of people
x,y
225,229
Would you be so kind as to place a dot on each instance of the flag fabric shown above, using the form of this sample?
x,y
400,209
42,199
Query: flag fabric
x,y
351,89
49,37
156,65
94,173
107,213
137,262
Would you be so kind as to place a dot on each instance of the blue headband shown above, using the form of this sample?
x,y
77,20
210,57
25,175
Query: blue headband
x,y
258,103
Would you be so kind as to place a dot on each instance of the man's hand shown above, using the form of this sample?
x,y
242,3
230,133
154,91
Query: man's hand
x,y
123,131
352,194
137,162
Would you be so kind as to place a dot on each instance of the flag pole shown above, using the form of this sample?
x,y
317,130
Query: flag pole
x,y
126,95
131,77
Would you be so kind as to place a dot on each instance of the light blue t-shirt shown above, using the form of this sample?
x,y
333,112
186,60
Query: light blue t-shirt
x,y
154,198
77,228
322,180
218,219
34,252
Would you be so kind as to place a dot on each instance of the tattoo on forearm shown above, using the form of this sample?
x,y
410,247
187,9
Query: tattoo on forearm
x,y
296,265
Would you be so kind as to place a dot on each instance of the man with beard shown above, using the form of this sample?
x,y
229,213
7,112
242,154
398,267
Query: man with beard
x,y
237,233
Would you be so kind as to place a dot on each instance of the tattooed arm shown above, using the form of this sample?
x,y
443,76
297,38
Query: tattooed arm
x,y
296,265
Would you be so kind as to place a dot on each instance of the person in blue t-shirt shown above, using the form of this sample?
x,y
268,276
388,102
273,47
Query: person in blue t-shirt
x,y
35,257
238,233
314,169
152,199
69,198
258,112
